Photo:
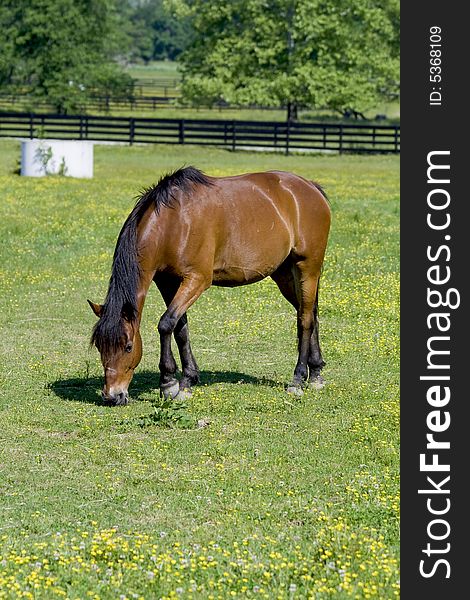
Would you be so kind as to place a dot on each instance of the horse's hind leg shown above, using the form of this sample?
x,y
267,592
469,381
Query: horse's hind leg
x,y
299,286
168,288
306,283
315,359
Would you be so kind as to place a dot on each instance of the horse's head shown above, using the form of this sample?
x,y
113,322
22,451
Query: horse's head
x,y
120,346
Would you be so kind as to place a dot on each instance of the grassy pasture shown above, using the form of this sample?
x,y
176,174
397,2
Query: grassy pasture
x,y
278,497
155,71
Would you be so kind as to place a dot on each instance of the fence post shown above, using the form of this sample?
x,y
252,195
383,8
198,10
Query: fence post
x,y
181,132
287,137
275,135
234,135
131,130
81,127
31,125
341,139
396,139
373,136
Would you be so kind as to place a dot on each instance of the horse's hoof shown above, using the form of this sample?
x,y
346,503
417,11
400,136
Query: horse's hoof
x,y
184,395
170,389
317,383
295,390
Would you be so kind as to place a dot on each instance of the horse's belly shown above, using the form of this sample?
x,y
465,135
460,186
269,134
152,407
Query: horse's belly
x,y
253,238
248,263
232,276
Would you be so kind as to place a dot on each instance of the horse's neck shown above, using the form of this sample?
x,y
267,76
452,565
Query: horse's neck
x,y
144,285
146,252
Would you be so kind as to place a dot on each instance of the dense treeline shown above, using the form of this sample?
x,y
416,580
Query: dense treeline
x,y
153,32
337,54
65,52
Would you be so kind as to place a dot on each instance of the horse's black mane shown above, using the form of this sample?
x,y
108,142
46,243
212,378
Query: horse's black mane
x,y
121,299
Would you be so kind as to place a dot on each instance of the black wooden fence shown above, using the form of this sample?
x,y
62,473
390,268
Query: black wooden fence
x,y
10,102
284,136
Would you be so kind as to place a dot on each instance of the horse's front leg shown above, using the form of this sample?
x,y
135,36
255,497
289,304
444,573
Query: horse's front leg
x,y
188,362
174,321
168,288
169,385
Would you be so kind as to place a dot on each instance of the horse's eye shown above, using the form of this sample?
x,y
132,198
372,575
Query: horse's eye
x,y
129,347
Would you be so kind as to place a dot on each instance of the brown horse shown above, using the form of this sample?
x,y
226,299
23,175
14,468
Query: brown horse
x,y
191,231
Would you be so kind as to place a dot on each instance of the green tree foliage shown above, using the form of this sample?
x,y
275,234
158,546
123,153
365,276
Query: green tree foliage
x,y
154,33
340,54
61,51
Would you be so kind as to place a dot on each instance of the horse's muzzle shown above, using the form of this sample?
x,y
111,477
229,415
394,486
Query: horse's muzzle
x,y
120,399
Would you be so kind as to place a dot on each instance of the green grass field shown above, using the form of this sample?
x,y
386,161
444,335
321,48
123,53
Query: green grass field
x,y
277,497
177,111
155,70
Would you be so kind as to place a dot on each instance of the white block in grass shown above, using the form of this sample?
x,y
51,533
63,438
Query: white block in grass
x,y
40,157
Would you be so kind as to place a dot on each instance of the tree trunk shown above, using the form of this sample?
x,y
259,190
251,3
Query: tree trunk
x,y
292,111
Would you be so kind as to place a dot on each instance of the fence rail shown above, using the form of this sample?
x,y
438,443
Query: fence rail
x,y
10,103
284,136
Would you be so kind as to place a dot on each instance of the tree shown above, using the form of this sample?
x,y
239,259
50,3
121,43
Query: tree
x,y
340,54
61,51
154,33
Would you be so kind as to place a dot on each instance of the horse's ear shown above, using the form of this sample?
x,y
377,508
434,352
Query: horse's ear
x,y
96,308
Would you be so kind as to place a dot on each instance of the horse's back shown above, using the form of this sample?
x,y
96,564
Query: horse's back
x,y
239,229
264,218
277,191
312,215
277,201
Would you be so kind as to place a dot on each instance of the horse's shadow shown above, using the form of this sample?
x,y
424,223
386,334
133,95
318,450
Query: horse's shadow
x,y
87,389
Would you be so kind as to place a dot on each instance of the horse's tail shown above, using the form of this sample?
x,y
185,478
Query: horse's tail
x,y
321,190
324,194
315,306
315,319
